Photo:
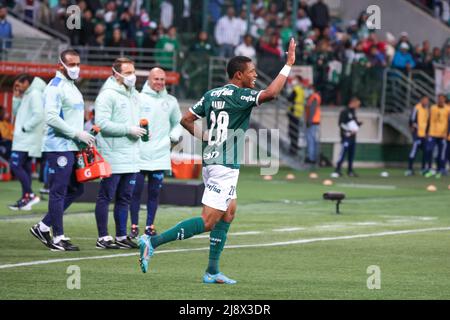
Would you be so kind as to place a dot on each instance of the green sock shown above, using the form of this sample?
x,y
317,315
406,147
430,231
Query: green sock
x,y
183,230
217,239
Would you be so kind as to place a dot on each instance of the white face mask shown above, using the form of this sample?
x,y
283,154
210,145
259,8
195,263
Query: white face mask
x,y
129,80
73,72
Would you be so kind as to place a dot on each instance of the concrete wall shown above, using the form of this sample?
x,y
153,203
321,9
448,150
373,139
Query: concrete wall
x,y
398,16
370,131
23,30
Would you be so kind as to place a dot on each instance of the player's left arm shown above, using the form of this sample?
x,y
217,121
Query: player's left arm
x,y
274,89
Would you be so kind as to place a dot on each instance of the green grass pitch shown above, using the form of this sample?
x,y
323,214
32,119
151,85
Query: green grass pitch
x,y
285,243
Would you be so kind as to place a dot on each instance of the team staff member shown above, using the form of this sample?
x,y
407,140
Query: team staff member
x,y
117,112
312,118
448,136
28,109
437,136
295,113
418,123
64,118
226,109
349,126
163,114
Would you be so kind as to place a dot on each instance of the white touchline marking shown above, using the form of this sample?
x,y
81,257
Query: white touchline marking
x,y
366,186
273,244
288,229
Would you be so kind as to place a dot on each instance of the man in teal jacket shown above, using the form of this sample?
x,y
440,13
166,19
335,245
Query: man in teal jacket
x,y
64,119
28,109
117,114
163,114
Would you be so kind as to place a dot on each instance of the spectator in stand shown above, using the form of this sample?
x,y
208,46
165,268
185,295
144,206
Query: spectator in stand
x,y
202,45
286,33
270,45
390,47
170,46
44,15
403,59
242,22
215,9
422,56
87,27
304,5
446,55
303,22
98,39
404,38
227,33
166,14
320,16
436,56
246,48
151,37
117,41
375,57
363,30
5,28
59,16
352,31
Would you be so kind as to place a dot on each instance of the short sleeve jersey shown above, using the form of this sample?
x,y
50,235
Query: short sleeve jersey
x,y
227,110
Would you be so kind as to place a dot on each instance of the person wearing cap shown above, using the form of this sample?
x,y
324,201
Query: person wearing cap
x,y
403,60
162,112
404,38
117,111
64,121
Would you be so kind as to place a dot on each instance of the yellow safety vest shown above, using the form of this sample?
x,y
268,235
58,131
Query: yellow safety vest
x,y
299,102
438,122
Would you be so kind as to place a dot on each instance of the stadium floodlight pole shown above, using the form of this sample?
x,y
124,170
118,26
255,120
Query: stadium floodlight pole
x,y
294,16
205,15
249,3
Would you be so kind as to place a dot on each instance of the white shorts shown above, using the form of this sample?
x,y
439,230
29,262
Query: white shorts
x,y
220,186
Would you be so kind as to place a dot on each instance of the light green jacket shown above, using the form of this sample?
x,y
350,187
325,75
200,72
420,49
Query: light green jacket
x,y
30,119
163,114
64,115
116,110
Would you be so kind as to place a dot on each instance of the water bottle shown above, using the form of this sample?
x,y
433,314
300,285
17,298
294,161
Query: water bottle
x,y
144,124
94,131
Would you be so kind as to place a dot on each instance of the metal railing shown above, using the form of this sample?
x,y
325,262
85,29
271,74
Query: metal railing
x,y
143,58
401,91
31,49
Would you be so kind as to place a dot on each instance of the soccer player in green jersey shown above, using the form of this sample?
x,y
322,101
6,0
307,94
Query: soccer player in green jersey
x,y
227,110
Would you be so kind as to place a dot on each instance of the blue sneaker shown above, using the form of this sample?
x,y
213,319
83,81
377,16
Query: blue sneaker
x,y
217,278
145,252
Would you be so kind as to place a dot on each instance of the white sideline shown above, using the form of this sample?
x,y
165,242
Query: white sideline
x,y
273,244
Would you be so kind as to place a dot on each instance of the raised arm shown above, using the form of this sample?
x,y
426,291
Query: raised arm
x,y
278,83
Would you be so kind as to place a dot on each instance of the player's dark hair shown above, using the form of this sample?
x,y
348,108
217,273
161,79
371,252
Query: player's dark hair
x,y
117,65
68,52
24,77
238,63
354,98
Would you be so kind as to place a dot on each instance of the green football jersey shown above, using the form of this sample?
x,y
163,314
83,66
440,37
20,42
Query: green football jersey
x,y
227,110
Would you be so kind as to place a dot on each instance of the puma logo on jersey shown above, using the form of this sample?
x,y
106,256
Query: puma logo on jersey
x,y
218,104
222,92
